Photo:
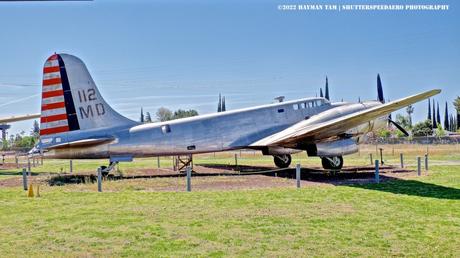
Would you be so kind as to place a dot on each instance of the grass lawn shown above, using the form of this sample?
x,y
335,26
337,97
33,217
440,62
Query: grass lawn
x,y
415,217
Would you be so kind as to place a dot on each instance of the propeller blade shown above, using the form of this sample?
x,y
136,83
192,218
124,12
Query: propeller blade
x,y
380,90
400,128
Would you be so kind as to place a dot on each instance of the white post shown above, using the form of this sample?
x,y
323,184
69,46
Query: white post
x,y
297,174
189,179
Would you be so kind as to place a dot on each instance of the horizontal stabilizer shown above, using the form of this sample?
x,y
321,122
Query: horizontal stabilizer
x,y
10,119
81,143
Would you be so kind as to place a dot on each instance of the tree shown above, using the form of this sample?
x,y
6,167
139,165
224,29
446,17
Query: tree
x,y
326,93
434,122
223,108
429,109
164,114
438,116
457,107
184,113
219,105
142,116
35,129
321,92
446,118
403,121
440,132
410,110
148,117
423,128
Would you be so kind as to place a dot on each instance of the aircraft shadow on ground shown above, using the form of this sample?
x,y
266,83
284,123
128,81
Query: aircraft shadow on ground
x,y
414,188
365,180
7,173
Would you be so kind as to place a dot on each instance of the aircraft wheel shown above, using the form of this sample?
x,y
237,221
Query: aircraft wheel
x,y
335,162
282,161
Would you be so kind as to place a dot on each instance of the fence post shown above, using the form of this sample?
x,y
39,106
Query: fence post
x,y
28,165
401,157
426,161
189,179
236,160
377,175
158,161
370,157
297,174
24,179
70,166
381,156
99,180
419,166
17,161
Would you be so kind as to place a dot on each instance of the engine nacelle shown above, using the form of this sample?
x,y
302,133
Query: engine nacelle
x,y
333,148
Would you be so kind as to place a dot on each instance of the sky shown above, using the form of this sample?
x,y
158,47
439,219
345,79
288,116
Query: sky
x,y
182,54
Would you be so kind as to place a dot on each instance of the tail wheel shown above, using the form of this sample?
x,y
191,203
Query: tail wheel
x,y
335,162
282,161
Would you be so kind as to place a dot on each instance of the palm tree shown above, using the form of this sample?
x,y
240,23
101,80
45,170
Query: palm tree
x,y
410,110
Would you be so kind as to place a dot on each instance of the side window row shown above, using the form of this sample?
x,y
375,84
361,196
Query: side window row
x,y
310,104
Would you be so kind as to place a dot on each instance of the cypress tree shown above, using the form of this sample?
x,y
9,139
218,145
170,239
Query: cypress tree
x,y
429,109
142,116
435,124
223,104
321,92
446,118
438,115
219,105
326,94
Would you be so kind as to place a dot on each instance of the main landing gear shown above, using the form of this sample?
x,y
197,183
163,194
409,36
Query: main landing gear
x,y
334,163
282,161
106,170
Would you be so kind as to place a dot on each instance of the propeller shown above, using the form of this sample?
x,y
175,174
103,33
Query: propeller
x,y
400,128
382,100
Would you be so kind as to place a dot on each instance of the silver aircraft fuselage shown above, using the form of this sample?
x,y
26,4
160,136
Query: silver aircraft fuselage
x,y
223,131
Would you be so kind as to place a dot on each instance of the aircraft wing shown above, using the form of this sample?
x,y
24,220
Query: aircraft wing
x,y
10,119
303,132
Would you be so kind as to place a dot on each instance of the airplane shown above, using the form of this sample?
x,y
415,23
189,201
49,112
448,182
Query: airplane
x,y
77,123
4,121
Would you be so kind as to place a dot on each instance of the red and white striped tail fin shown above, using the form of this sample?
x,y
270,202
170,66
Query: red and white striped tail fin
x,y
54,115
71,100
